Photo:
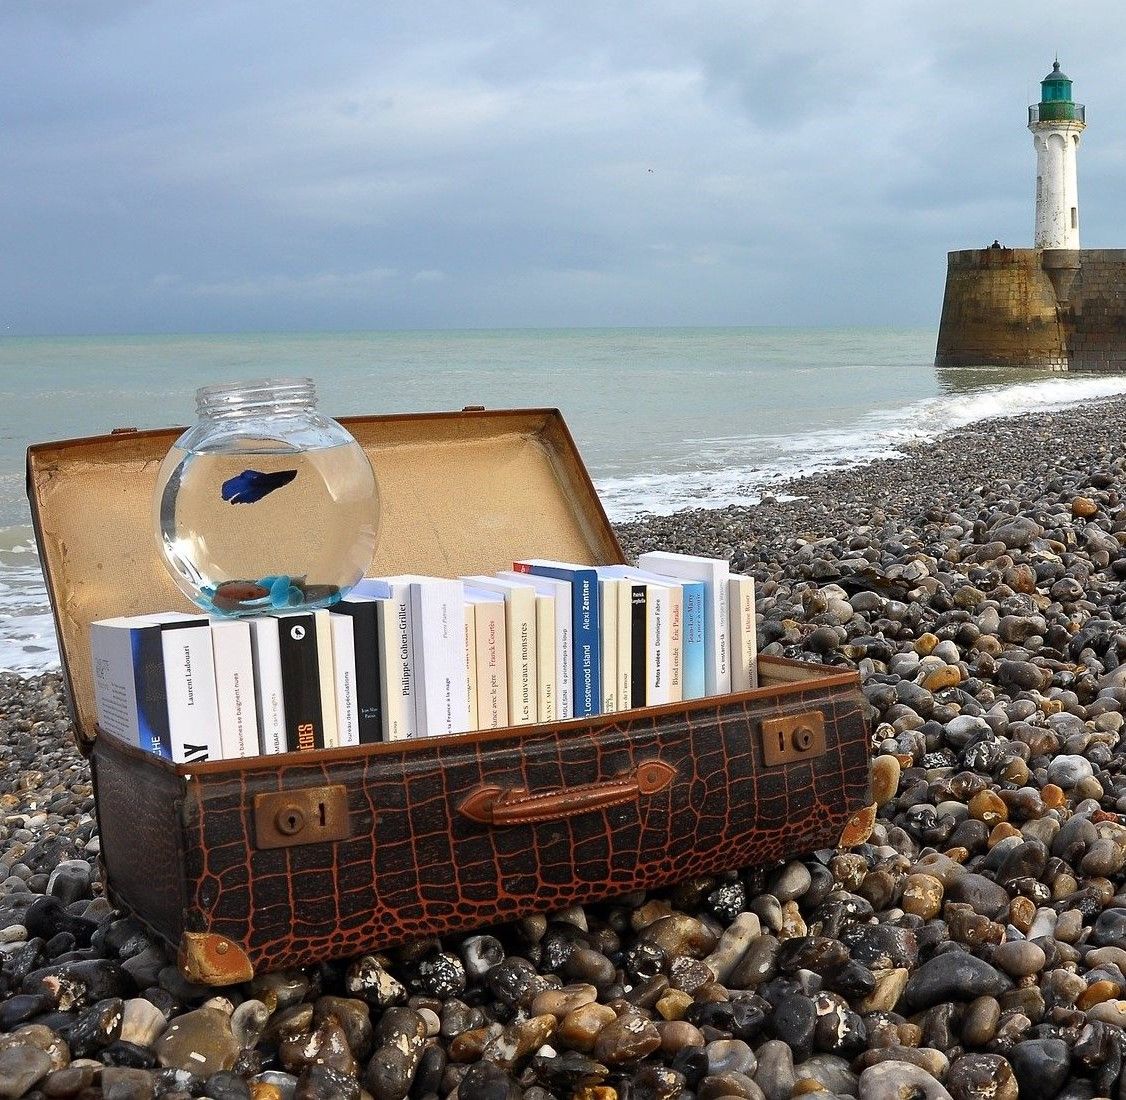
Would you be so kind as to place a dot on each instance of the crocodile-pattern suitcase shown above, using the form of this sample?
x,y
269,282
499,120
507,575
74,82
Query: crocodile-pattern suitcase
x,y
245,866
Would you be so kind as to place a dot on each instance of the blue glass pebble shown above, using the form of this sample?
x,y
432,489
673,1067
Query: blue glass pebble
x,y
279,592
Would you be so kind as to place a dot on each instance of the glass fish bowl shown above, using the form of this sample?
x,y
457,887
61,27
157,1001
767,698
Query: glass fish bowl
x,y
265,504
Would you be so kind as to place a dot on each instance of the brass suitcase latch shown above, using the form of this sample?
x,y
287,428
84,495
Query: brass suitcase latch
x,y
284,819
793,737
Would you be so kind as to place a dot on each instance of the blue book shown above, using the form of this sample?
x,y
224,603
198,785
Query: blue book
x,y
692,649
692,640
586,628
370,588
152,698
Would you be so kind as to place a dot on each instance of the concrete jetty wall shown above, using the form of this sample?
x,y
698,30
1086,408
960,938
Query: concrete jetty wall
x,y
1053,309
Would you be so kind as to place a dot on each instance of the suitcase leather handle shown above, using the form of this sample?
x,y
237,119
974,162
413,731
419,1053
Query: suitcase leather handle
x,y
491,805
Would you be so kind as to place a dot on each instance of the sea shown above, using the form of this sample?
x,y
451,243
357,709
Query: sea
x,y
666,419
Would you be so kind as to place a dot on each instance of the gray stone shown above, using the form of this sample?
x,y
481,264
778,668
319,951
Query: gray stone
x,y
142,1022
730,1056
21,1066
1068,771
123,1083
1041,1067
952,976
791,882
899,1081
248,1021
1019,958
775,1071
199,1041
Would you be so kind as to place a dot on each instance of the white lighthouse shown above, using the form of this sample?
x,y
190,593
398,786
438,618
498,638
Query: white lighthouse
x,y
1056,123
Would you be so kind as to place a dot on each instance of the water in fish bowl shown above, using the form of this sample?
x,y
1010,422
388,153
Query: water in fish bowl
x,y
266,526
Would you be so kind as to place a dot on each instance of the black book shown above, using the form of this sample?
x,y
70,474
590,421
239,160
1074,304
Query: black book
x,y
638,645
301,682
369,696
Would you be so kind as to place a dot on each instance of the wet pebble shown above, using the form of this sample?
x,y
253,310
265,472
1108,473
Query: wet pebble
x,y
896,1080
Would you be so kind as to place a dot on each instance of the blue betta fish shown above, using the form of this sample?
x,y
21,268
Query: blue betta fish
x,y
251,486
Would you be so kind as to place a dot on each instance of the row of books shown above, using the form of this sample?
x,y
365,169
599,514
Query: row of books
x,y
413,656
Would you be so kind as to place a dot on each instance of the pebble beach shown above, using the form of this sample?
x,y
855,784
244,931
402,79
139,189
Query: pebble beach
x,y
974,947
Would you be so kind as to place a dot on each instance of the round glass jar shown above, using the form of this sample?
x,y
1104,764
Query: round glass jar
x,y
265,504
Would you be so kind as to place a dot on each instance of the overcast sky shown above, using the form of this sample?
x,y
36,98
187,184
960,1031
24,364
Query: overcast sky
x,y
263,164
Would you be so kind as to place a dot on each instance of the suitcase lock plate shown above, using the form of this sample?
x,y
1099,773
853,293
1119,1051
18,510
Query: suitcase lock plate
x,y
793,737
284,819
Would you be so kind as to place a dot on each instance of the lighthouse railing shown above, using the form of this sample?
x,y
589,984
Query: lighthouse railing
x,y
1061,111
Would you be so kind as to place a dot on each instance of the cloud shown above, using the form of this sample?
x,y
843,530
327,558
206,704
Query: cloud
x,y
435,164
323,284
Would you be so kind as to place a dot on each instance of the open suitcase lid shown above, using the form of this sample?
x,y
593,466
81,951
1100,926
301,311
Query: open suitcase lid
x,y
463,492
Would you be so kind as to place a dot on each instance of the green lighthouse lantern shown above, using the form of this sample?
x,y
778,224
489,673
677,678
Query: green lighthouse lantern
x,y
1056,104
1057,122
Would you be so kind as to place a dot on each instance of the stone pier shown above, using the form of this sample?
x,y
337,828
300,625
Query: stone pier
x,y
1047,309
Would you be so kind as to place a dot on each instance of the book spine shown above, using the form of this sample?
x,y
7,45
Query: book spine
x,y
189,679
153,730
115,693
234,688
625,645
492,666
586,627
301,682
657,690
714,573
608,645
722,631
564,659
744,640
471,666
269,693
639,645
520,628
692,641
369,694
585,630
675,651
326,678
438,612
343,632
547,679
396,646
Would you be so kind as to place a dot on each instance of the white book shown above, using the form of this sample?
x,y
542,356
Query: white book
x,y
471,664
625,644
129,693
234,687
322,621
268,698
438,624
675,609
492,660
396,663
658,640
744,634
189,677
562,646
662,655
520,634
344,673
608,604
547,684
714,572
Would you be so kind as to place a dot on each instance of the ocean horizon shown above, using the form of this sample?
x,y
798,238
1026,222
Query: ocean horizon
x,y
666,419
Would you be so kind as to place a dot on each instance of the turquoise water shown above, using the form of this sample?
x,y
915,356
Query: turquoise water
x,y
665,418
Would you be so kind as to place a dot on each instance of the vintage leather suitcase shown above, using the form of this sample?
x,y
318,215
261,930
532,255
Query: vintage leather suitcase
x,y
245,866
